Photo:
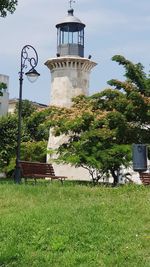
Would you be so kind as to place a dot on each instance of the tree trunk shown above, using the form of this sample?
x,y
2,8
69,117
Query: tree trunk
x,y
115,176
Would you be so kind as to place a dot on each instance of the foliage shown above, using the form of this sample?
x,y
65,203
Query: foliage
x,y
99,129
34,126
37,126
102,128
7,6
27,108
2,86
34,135
34,151
9,169
136,89
95,138
30,151
72,225
8,130
136,78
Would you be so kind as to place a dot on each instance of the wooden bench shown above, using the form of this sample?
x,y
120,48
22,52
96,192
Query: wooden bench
x,y
37,170
145,178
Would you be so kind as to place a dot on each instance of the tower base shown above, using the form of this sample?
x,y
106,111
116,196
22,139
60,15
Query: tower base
x,y
72,172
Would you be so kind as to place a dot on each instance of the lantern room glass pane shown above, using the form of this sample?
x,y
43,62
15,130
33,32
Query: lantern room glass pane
x,y
64,37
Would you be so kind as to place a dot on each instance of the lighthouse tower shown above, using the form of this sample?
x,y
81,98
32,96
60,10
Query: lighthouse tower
x,y
70,74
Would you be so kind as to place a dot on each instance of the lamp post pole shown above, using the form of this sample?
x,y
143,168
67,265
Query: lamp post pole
x,y
32,61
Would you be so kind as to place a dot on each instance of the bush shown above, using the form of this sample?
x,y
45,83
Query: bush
x,y
34,151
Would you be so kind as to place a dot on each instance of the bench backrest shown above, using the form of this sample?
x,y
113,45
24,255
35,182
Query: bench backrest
x,y
36,168
145,178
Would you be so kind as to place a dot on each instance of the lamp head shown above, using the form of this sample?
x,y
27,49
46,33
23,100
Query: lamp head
x,y
32,75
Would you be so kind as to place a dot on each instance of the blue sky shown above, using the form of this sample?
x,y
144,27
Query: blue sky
x,y
112,27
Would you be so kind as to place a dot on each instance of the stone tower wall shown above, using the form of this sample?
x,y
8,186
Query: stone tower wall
x,y
69,78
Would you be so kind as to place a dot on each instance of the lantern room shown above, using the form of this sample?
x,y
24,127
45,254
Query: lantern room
x,y
70,36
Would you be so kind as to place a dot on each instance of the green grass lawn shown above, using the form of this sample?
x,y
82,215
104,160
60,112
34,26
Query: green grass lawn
x,y
74,225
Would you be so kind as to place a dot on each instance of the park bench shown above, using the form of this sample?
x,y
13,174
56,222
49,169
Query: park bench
x,y
37,170
145,178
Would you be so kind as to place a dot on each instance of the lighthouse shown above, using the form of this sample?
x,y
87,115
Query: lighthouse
x,y
70,75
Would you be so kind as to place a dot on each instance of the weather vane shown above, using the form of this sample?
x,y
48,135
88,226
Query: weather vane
x,y
71,2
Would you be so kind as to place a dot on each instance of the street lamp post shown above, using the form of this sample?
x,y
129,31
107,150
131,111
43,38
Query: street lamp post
x,y
32,75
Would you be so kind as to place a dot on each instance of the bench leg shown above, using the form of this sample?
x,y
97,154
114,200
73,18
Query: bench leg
x,y
62,181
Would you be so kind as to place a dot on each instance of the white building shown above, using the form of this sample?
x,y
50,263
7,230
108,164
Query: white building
x,y
13,101
5,97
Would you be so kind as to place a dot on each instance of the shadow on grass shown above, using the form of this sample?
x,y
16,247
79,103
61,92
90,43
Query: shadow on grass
x,y
6,181
43,182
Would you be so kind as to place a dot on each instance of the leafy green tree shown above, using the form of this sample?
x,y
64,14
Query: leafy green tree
x,y
27,108
102,128
30,151
34,151
92,139
37,125
34,126
7,6
136,79
26,111
33,145
136,90
8,131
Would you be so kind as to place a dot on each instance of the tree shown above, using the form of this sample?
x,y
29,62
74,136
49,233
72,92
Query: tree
x,y
8,140
136,89
136,78
37,125
7,6
34,151
102,128
92,138
34,127
27,109
33,145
